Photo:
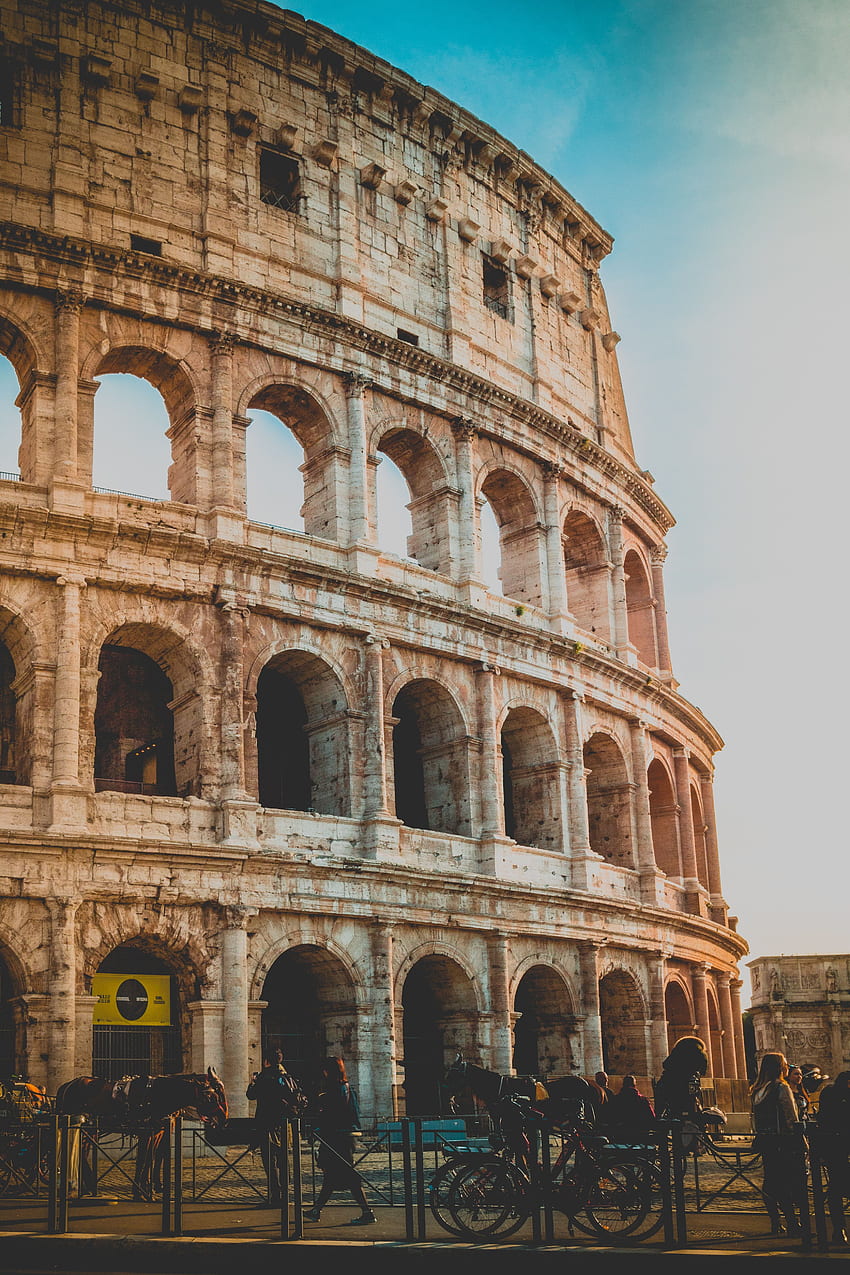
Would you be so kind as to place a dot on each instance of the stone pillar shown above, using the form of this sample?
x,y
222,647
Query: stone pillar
x,y
659,1046
375,804
67,796
359,522
255,1035
589,961
468,565
719,907
727,1023
491,812
620,626
699,988
83,1036
581,854
207,1036
651,880
221,350
501,1040
735,986
682,775
67,338
232,729
662,641
383,1053
234,1020
555,566
62,985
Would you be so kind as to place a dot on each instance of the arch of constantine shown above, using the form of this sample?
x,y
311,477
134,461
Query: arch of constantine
x,y
297,789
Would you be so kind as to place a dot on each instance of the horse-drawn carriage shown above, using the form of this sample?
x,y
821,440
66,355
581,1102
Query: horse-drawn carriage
x,y
23,1155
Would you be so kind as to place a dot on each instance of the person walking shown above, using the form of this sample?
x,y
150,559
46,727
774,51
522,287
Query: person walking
x,y
834,1146
775,1121
337,1121
277,1096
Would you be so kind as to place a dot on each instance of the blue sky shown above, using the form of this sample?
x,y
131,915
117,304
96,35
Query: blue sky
x,y
710,137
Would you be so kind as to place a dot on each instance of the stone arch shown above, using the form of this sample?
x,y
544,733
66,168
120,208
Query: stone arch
x,y
663,808
678,1010
715,1032
515,507
305,414
640,609
609,790
21,348
181,716
430,758
14,983
545,1029
303,726
587,572
424,472
623,1014
700,846
531,779
439,1018
311,1008
17,697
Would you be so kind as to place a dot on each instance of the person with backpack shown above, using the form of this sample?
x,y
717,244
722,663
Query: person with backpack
x,y
336,1124
277,1096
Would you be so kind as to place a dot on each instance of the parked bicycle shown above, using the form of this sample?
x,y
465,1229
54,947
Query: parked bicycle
x,y
23,1145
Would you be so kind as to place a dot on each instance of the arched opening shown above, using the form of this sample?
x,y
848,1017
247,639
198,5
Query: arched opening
x,y
298,410
131,452
700,847
134,725
303,746
608,801
138,1020
10,420
715,1035
663,817
8,712
440,1020
311,1010
520,547
623,1018
274,482
678,1012
12,1047
491,550
530,781
640,610
430,762
545,1027
586,568
414,469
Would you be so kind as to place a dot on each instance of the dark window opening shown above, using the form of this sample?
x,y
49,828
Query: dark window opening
x,y
152,247
134,727
409,337
410,804
497,292
283,749
508,790
7,718
7,96
280,180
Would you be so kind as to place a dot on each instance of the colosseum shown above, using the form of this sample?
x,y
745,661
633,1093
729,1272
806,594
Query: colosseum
x,y
270,781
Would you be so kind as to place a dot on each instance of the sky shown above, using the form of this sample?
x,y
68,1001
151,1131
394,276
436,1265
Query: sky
x,y
711,138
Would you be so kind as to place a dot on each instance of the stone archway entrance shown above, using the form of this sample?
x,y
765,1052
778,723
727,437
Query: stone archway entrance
x,y
440,1020
311,1011
680,1016
11,1052
623,1017
544,1026
140,1035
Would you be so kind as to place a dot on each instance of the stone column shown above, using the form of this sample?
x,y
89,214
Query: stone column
x,y
501,1046
727,1023
735,986
83,1036
589,961
67,337
651,880
207,1036
232,731
221,350
375,803
682,776
383,1053
581,854
620,627
555,566
699,987
659,1047
491,812
719,907
359,521
67,796
662,641
62,985
234,1020
468,566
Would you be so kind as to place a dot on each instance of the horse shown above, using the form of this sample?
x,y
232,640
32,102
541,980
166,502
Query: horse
x,y
142,1103
556,1098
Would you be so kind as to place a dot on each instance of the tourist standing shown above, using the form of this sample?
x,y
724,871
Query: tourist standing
x,y
775,1121
834,1146
336,1124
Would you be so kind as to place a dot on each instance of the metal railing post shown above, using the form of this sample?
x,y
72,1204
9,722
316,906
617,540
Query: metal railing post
x,y
297,1181
177,1176
681,1226
167,1219
818,1204
419,1150
409,1230
64,1174
548,1213
287,1138
53,1175
665,1164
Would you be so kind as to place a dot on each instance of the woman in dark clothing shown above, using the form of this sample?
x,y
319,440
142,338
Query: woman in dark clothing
x,y
834,1142
337,1120
775,1120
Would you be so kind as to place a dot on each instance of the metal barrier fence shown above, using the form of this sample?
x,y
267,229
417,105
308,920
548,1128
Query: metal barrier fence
x,y
61,1159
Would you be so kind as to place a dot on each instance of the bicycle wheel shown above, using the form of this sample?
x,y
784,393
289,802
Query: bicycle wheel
x,y
617,1202
438,1193
651,1186
488,1200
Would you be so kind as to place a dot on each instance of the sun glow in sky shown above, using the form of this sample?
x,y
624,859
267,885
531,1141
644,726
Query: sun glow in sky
x,y
710,137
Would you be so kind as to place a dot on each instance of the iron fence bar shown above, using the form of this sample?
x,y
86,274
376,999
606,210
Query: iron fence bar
x,y
297,1182
53,1177
64,1173
548,1212
665,1164
816,1169
409,1230
284,1176
229,1166
166,1211
177,1175
681,1226
419,1180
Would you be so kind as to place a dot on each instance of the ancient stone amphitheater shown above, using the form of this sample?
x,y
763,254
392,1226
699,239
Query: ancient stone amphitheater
x,y
271,785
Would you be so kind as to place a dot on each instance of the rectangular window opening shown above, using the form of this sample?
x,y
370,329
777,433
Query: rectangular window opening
x,y
497,289
410,337
139,243
280,180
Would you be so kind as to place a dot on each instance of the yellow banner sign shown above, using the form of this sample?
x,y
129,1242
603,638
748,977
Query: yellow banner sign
x,y
132,1000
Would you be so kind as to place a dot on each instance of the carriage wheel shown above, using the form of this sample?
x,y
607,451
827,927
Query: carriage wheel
x,y
618,1201
489,1200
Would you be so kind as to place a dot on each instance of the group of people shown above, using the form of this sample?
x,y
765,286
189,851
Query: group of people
x,y
335,1118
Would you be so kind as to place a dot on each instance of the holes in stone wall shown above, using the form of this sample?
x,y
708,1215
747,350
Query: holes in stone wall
x,y
663,816
586,567
496,288
623,1016
608,801
280,180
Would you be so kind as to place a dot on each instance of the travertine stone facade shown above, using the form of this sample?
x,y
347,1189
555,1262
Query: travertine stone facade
x,y
347,801
801,1007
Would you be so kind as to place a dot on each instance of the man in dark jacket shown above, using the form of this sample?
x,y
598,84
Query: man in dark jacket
x,y
272,1089
834,1142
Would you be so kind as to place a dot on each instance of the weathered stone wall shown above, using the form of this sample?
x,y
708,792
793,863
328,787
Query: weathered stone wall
x,y
801,1007
556,856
